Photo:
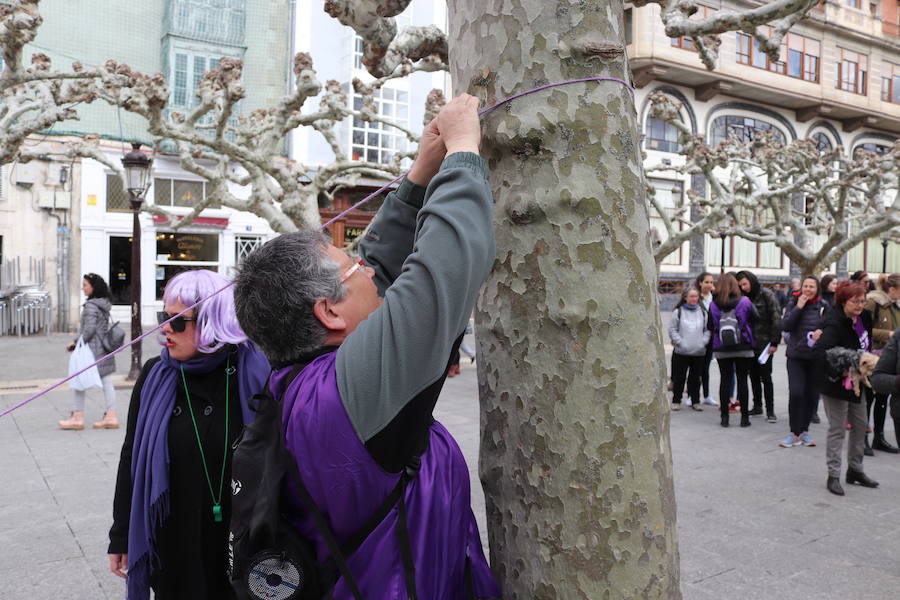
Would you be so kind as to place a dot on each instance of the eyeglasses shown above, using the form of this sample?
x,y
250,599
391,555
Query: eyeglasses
x,y
857,302
352,270
178,324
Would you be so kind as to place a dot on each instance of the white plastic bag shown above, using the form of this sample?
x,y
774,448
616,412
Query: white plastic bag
x,y
82,357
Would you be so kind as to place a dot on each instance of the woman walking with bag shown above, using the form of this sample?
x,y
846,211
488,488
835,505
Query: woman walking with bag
x,y
172,503
94,325
731,319
690,335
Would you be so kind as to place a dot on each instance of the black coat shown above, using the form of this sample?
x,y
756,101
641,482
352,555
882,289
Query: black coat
x,y
192,545
797,322
838,332
886,378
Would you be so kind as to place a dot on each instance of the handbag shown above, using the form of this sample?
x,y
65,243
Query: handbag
x,y
81,357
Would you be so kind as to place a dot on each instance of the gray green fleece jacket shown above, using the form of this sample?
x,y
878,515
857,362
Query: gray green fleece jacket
x,y
431,250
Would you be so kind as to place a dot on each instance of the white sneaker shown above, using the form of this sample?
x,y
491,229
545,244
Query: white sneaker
x,y
710,400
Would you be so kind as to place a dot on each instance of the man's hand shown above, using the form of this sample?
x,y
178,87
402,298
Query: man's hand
x,y
118,564
459,125
429,157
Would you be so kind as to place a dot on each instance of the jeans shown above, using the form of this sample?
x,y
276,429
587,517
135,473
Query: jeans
x,y
839,413
729,368
803,393
761,384
686,368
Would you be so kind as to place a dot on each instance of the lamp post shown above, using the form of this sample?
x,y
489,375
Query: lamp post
x,y
722,263
137,175
884,245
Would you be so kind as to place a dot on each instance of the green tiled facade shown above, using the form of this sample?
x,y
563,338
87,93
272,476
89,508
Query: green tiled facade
x,y
148,35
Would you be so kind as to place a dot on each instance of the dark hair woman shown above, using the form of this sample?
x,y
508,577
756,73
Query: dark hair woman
x,y
94,325
802,324
766,335
884,306
172,503
731,319
829,285
706,285
849,326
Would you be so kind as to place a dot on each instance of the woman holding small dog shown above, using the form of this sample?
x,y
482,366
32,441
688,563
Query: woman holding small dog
x,y
848,325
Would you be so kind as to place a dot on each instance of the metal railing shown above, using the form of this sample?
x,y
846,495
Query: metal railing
x,y
25,306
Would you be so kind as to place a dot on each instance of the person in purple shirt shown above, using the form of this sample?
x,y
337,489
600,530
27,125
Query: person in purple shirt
x,y
374,337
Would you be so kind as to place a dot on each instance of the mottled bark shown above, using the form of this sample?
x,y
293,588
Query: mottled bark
x,y
575,455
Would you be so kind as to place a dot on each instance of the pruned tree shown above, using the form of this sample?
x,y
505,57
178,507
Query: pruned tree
x,y
575,457
780,14
36,97
814,205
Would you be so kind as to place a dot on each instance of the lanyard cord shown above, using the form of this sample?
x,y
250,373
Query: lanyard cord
x,y
217,501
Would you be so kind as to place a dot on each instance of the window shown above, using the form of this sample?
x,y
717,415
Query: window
x,y
187,72
379,142
357,52
890,83
210,20
742,128
178,192
669,195
686,43
799,56
120,269
871,255
117,199
851,70
853,3
244,245
822,142
741,253
662,136
878,149
628,26
177,252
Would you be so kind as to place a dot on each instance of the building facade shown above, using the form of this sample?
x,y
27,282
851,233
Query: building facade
x,y
838,83
181,39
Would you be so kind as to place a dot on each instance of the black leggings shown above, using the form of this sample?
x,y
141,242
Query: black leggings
x,y
761,384
728,367
704,374
803,390
880,403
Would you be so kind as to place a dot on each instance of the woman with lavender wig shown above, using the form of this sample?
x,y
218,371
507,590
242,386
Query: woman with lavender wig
x,y
172,503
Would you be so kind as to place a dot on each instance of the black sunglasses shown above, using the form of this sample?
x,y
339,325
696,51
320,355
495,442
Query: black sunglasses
x,y
178,324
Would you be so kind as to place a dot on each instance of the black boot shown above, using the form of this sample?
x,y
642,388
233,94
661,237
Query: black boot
x,y
861,478
745,420
725,420
879,443
834,486
867,450
756,410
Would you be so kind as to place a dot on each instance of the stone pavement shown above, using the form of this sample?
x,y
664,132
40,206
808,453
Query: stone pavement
x,y
754,520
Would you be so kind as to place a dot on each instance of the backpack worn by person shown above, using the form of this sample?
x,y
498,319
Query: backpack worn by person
x,y
113,338
268,559
729,329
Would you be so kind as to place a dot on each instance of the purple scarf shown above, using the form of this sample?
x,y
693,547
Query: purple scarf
x,y
150,458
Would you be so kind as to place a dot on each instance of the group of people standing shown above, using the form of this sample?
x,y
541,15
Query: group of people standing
x,y
742,323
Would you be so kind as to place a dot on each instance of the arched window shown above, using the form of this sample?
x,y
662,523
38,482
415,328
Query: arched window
x,y
822,142
878,149
742,128
661,135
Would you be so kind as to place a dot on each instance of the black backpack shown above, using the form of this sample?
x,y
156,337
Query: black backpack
x,y
267,558
729,329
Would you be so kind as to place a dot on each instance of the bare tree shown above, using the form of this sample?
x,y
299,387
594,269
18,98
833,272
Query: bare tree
x,y
814,205
575,456
34,98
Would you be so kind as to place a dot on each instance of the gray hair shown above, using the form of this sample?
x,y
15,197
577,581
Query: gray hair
x,y
275,290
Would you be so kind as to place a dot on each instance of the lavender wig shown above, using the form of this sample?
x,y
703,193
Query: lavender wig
x,y
216,322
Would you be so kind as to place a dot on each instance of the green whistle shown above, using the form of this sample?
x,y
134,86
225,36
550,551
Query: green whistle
x,y
217,513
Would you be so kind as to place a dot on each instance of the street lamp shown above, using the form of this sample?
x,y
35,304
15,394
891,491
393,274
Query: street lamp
x,y
137,176
722,269
884,245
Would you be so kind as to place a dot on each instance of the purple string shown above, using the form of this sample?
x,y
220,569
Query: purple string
x,y
481,113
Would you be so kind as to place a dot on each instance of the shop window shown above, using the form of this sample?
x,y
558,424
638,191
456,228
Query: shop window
x,y
178,192
177,252
120,269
